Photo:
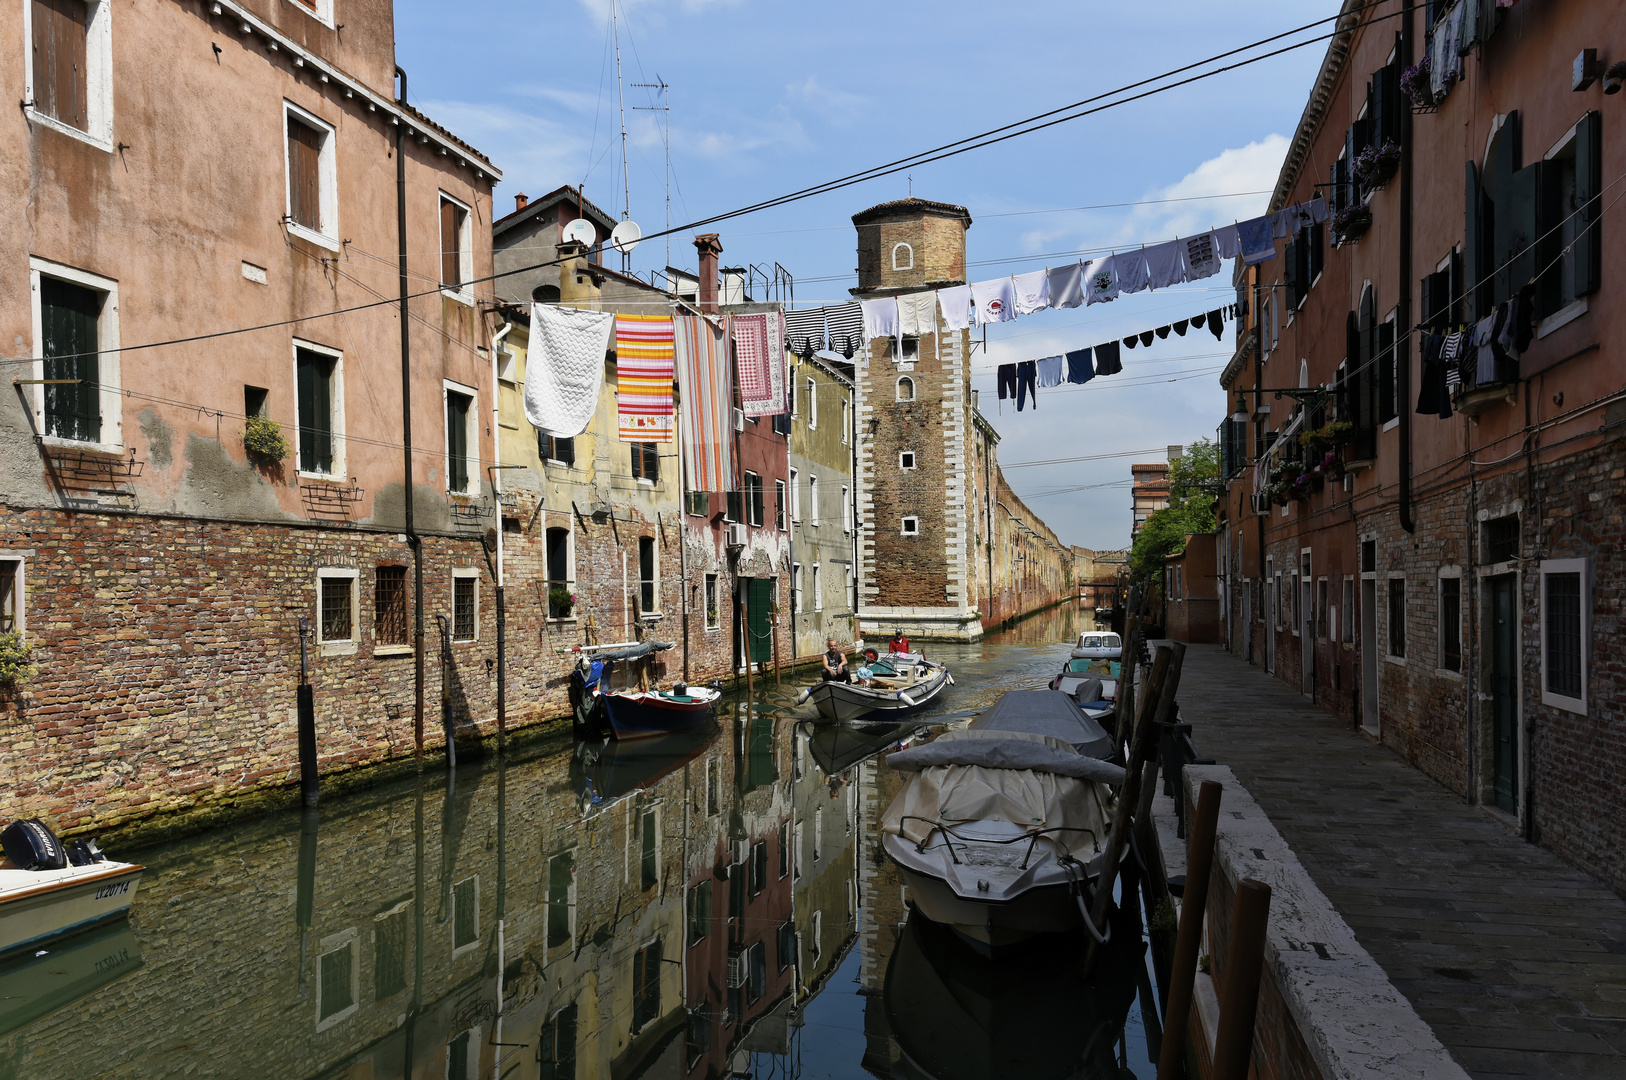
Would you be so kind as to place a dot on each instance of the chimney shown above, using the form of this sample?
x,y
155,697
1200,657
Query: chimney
x,y
710,246
579,280
1175,452
520,201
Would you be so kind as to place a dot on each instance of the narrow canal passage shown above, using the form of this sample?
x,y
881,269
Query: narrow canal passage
x,y
703,906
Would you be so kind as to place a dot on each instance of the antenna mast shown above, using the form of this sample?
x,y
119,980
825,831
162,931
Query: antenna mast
x,y
660,87
621,100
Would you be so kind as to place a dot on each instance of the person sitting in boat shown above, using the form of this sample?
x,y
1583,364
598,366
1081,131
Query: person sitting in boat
x,y
835,663
899,643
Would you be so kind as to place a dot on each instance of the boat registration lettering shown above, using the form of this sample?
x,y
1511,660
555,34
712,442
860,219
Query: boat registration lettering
x,y
113,888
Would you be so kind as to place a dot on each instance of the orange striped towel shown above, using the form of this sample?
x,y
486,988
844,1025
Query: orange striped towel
x,y
644,359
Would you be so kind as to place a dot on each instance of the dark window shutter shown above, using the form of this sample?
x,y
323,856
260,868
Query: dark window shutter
x,y
1352,147
1318,249
1473,243
1549,254
451,263
1588,193
565,450
68,321
1334,189
304,175
457,441
637,452
1516,232
1378,111
652,461
1290,275
315,374
1387,370
60,32
1387,84
1425,298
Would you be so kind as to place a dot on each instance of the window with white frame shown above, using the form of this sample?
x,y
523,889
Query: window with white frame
x,y
319,410
813,499
911,526
906,389
908,349
462,438
1349,610
466,604
12,594
312,174
818,590
1566,633
713,610
463,1055
796,588
812,404
906,459
338,978
336,610
846,509
456,249
903,257
76,337
68,68
795,497
846,420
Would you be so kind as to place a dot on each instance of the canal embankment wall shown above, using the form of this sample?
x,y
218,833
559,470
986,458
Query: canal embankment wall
x,y
1326,1009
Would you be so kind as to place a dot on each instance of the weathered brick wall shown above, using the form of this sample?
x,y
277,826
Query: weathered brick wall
x,y
938,243
907,571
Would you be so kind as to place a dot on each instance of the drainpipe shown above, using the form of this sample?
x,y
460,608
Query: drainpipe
x,y
496,494
1408,520
413,540
1258,381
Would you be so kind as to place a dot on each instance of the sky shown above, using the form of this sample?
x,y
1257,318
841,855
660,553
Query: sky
x,y
768,97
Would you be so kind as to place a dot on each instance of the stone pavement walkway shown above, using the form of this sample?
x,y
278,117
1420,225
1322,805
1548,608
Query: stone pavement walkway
x,y
1513,956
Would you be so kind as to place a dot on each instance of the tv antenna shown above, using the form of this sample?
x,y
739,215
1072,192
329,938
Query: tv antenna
x,y
621,101
660,87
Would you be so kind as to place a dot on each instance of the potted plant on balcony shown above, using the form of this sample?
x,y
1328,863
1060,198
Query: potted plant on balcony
x,y
262,438
1377,163
1351,222
561,602
1417,83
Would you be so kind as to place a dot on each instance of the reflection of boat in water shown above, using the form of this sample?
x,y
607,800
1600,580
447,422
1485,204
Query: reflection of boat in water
x,y
614,768
901,683
998,830
838,747
955,1013
38,983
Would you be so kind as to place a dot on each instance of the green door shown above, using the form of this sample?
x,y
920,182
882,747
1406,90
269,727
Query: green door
x,y
758,620
1503,683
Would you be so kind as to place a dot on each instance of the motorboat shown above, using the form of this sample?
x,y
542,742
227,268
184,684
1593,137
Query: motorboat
x,y
1051,713
954,1013
899,683
998,833
1091,684
1098,645
46,891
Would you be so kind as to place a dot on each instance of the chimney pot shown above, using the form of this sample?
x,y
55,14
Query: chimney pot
x,y
520,201
709,245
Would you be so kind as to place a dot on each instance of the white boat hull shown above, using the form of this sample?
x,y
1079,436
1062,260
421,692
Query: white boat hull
x,y
36,906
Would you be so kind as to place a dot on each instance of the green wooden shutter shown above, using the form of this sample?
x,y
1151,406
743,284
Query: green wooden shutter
x,y
758,620
1473,244
315,374
1588,193
1290,274
457,441
68,320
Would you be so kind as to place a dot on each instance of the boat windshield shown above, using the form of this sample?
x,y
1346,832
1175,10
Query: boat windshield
x,y
1099,641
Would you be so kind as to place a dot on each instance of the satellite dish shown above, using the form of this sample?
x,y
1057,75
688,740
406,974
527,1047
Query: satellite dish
x,y
625,237
580,231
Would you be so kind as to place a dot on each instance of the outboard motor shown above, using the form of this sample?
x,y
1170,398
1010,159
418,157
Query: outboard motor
x,y
31,845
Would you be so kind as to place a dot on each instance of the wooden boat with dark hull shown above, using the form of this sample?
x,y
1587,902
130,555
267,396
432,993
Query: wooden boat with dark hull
x,y
903,683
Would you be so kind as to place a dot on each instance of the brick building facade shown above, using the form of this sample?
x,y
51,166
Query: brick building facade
x,y
1449,584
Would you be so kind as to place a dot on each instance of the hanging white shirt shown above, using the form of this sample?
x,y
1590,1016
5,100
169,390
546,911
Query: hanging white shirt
x,y
917,313
1067,285
1198,257
1163,265
957,306
1100,280
1132,273
1227,241
1032,291
880,317
995,300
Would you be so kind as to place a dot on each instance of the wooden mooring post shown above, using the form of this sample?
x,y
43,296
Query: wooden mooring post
x,y
1239,1002
1157,704
1171,1062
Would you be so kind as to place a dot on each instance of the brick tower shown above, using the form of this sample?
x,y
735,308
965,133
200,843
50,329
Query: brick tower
x,y
914,420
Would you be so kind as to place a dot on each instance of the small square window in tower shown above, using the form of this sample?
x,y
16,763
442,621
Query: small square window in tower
x,y
906,459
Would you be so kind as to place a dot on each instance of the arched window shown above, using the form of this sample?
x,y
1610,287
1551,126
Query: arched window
x,y
906,389
903,257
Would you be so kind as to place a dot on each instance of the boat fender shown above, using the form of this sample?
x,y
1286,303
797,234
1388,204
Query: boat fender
x,y
950,679
801,699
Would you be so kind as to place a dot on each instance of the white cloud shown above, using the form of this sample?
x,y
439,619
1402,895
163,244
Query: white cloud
x,y
534,152
834,106
1253,167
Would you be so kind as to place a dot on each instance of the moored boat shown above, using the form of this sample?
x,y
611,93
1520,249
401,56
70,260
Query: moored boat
x,y
46,892
1098,645
639,714
899,683
998,833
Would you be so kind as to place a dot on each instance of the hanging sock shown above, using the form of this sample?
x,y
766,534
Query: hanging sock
x,y
1196,320
1032,291
1131,341
1216,323
1161,332
1163,265
1146,337
1101,280
995,300
1079,366
1067,285
1180,327
1050,371
1026,374
1107,361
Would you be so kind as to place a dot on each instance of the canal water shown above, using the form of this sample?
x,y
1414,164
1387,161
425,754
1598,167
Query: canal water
x,y
705,905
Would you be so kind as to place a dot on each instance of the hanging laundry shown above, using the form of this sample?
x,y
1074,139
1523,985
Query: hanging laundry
x,y
1318,210
1180,327
1216,323
995,300
1163,264
759,363
1080,368
1106,359
1100,280
566,368
1132,272
1026,374
707,409
1284,223
1032,291
804,331
1067,285
1146,336
1227,241
1198,257
846,327
1257,243
1485,353
1007,381
1451,357
1433,397
917,313
1196,320
1131,341
644,358
1161,332
957,306
880,317
1050,371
